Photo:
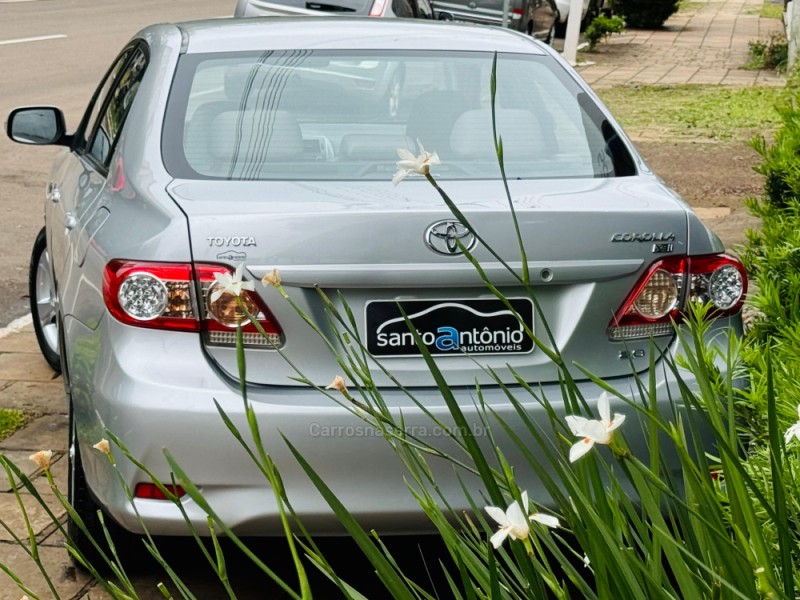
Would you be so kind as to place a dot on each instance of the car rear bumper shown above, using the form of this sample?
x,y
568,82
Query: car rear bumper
x,y
170,404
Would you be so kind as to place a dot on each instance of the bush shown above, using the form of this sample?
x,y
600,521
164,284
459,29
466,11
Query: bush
x,y
769,54
781,167
602,27
646,14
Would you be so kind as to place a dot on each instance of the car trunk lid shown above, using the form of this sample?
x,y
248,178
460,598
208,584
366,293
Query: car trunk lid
x,y
363,244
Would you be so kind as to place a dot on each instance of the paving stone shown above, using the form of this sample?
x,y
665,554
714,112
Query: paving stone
x,y
709,76
68,581
44,433
35,397
38,517
24,341
21,367
20,459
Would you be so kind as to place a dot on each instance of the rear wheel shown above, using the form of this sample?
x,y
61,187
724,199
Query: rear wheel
x,y
551,35
402,9
42,292
128,545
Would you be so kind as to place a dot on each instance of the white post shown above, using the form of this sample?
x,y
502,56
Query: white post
x,y
792,19
506,10
573,31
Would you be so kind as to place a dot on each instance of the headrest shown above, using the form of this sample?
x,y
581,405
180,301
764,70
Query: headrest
x,y
520,130
236,80
254,137
376,147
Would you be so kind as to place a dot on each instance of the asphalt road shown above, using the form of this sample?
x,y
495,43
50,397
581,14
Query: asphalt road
x,y
55,52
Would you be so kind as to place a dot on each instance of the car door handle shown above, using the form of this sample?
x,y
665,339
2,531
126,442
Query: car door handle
x,y
70,221
53,193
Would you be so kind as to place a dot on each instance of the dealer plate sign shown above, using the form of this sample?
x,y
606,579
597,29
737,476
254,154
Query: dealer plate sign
x,y
449,327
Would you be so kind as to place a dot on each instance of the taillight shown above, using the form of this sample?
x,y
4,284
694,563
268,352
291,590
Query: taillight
x,y
660,296
165,296
378,8
223,315
152,295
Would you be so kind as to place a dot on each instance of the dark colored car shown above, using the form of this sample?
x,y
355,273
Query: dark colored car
x,y
534,17
411,9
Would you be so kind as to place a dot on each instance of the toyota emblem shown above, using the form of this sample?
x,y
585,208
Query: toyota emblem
x,y
443,237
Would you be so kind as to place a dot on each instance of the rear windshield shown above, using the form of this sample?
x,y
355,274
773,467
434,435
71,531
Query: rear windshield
x,y
305,115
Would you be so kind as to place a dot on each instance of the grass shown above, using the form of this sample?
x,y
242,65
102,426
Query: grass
x,y
768,10
690,7
10,421
695,112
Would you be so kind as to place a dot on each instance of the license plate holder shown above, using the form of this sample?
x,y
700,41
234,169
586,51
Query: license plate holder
x,y
449,327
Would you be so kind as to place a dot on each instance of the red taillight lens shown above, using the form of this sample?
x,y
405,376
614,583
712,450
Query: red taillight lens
x,y
152,295
659,297
222,316
720,280
150,491
165,296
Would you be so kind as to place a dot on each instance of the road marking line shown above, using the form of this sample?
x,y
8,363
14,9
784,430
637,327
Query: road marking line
x,y
16,326
33,39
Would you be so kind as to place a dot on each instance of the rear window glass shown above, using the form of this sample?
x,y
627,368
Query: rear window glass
x,y
305,115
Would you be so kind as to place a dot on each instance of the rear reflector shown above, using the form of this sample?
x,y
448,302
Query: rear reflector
x,y
167,296
660,296
150,491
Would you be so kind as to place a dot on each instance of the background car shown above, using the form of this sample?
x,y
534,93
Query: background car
x,y
534,17
591,8
412,9
227,146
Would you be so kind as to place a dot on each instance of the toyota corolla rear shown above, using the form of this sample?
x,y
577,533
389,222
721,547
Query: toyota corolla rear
x,y
282,160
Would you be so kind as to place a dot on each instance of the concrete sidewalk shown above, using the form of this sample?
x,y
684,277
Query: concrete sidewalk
x,y
28,384
705,44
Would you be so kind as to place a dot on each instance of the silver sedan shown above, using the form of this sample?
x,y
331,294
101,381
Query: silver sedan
x,y
250,145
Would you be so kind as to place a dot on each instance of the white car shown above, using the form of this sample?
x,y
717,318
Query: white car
x,y
228,148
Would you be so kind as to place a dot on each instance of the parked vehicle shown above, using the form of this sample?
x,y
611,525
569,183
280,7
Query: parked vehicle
x,y
591,8
412,9
534,17
261,144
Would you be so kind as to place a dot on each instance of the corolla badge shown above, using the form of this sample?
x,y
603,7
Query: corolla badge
x,y
443,237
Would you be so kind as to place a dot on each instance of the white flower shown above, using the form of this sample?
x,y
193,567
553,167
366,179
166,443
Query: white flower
x,y
42,458
794,430
230,284
409,163
593,432
514,523
103,446
272,278
337,384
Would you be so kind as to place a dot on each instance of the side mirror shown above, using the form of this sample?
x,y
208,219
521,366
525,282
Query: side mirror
x,y
39,125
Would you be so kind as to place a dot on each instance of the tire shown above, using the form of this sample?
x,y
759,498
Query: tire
x,y
402,9
130,550
551,35
591,15
43,302
561,28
